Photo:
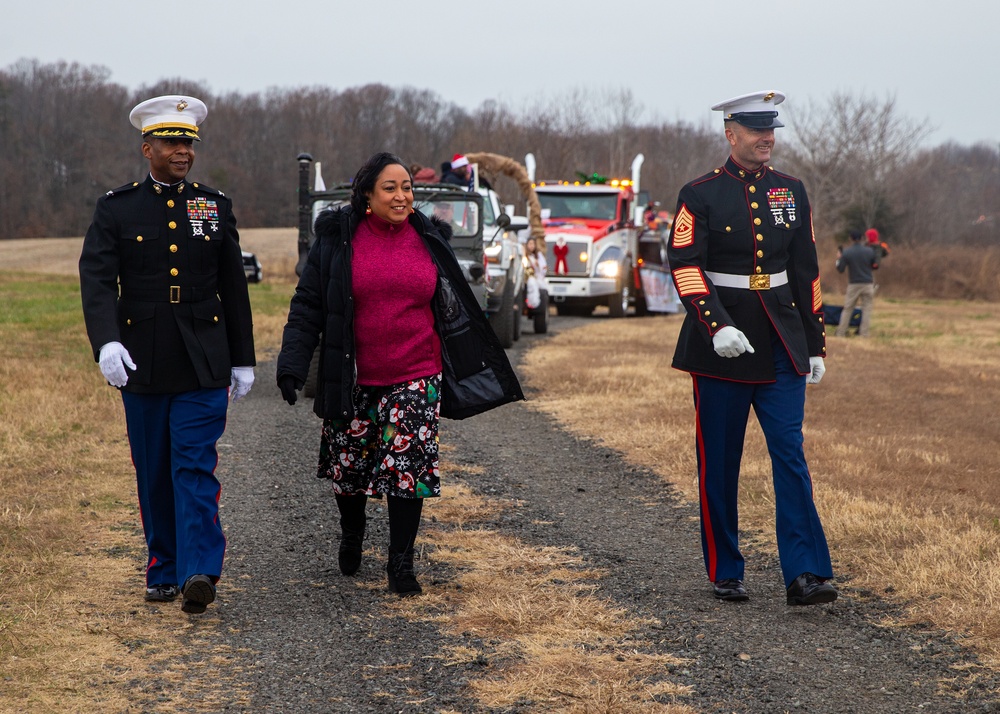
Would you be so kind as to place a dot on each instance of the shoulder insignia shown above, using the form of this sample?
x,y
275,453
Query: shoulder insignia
x,y
207,189
123,189
782,175
713,174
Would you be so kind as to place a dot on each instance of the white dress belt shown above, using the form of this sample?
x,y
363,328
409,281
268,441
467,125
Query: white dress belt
x,y
759,281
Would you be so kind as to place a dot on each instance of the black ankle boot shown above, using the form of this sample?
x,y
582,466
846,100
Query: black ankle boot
x,y
351,544
402,579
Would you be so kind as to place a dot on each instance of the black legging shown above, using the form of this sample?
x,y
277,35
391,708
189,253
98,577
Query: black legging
x,y
404,518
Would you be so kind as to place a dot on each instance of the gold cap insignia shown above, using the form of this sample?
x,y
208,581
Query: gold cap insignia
x,y
181,105
767,97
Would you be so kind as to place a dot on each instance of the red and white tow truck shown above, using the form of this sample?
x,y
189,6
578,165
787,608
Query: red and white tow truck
x,y
598,247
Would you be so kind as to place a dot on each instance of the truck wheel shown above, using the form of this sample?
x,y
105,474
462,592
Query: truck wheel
x,y
640,305
502,321
541,313
618,305
312,377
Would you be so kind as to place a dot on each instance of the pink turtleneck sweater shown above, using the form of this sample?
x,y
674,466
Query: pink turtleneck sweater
x,y
393,282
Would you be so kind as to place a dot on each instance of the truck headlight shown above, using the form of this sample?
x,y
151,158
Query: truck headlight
x,y
492,252
608,268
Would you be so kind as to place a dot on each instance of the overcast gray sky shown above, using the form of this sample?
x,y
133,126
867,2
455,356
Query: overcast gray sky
x,y
938,59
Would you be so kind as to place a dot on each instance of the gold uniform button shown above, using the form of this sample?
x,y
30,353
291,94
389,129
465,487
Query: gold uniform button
x,y
824,333
729,229
135,183
207,238
138,239
170,203
757,269
753,205
172,224
756,222
128,322
760,237
173,249
195,185
174,272
215,318
701,302
760,254
718,171
753,189
715,324
793,303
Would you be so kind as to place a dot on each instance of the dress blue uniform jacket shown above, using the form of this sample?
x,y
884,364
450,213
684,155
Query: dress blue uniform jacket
x,y
743,222
162,272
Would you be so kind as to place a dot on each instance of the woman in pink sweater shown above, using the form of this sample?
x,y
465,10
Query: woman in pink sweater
x,y
381,285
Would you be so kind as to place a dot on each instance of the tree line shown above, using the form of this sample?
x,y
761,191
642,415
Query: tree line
x,y
66,138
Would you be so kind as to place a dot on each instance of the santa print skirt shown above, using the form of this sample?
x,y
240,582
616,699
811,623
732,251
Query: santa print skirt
x,y
391,448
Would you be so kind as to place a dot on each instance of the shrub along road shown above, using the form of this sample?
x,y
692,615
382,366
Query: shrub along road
x,y
298,636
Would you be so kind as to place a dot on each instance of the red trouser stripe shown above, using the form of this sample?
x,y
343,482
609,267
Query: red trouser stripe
x,y
706,520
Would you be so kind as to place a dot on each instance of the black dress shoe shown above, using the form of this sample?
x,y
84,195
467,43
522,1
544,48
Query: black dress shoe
x,y
807,589
199,592
730,589
162,593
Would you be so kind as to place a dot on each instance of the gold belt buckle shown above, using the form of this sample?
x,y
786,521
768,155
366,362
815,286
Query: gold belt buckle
x,y
175,293
760,282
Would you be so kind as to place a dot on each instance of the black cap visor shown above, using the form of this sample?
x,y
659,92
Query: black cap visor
x,y
756,120
174,132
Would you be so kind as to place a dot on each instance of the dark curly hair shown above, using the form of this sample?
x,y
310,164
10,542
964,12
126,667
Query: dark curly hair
x,y
364,179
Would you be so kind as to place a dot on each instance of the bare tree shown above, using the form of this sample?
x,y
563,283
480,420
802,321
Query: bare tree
x,y
845,150
949,194
67,139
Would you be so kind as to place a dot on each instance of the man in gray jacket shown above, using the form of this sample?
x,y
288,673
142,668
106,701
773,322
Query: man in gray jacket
x,y
859,260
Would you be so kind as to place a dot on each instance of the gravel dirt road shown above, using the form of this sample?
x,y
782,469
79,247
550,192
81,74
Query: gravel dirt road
x,y
302,638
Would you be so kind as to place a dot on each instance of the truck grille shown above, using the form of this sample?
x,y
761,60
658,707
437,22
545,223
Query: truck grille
x,y
574,265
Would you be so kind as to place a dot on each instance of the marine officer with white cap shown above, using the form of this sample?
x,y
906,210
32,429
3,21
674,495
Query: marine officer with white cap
x,y
167,310
743,258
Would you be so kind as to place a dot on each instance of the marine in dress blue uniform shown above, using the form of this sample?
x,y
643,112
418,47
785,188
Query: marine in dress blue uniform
x,y
743,258
167,310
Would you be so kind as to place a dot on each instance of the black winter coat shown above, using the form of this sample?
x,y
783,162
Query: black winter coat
x,y
477,375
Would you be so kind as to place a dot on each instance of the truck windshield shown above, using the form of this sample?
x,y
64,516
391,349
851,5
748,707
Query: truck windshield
x,y
462,216
595,206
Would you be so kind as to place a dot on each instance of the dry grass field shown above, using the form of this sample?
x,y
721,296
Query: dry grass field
x,y
75,637
901,438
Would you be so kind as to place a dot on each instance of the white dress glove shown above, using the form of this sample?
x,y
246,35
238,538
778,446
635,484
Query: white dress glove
x,y
242,381
114,358
817,368
730,342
